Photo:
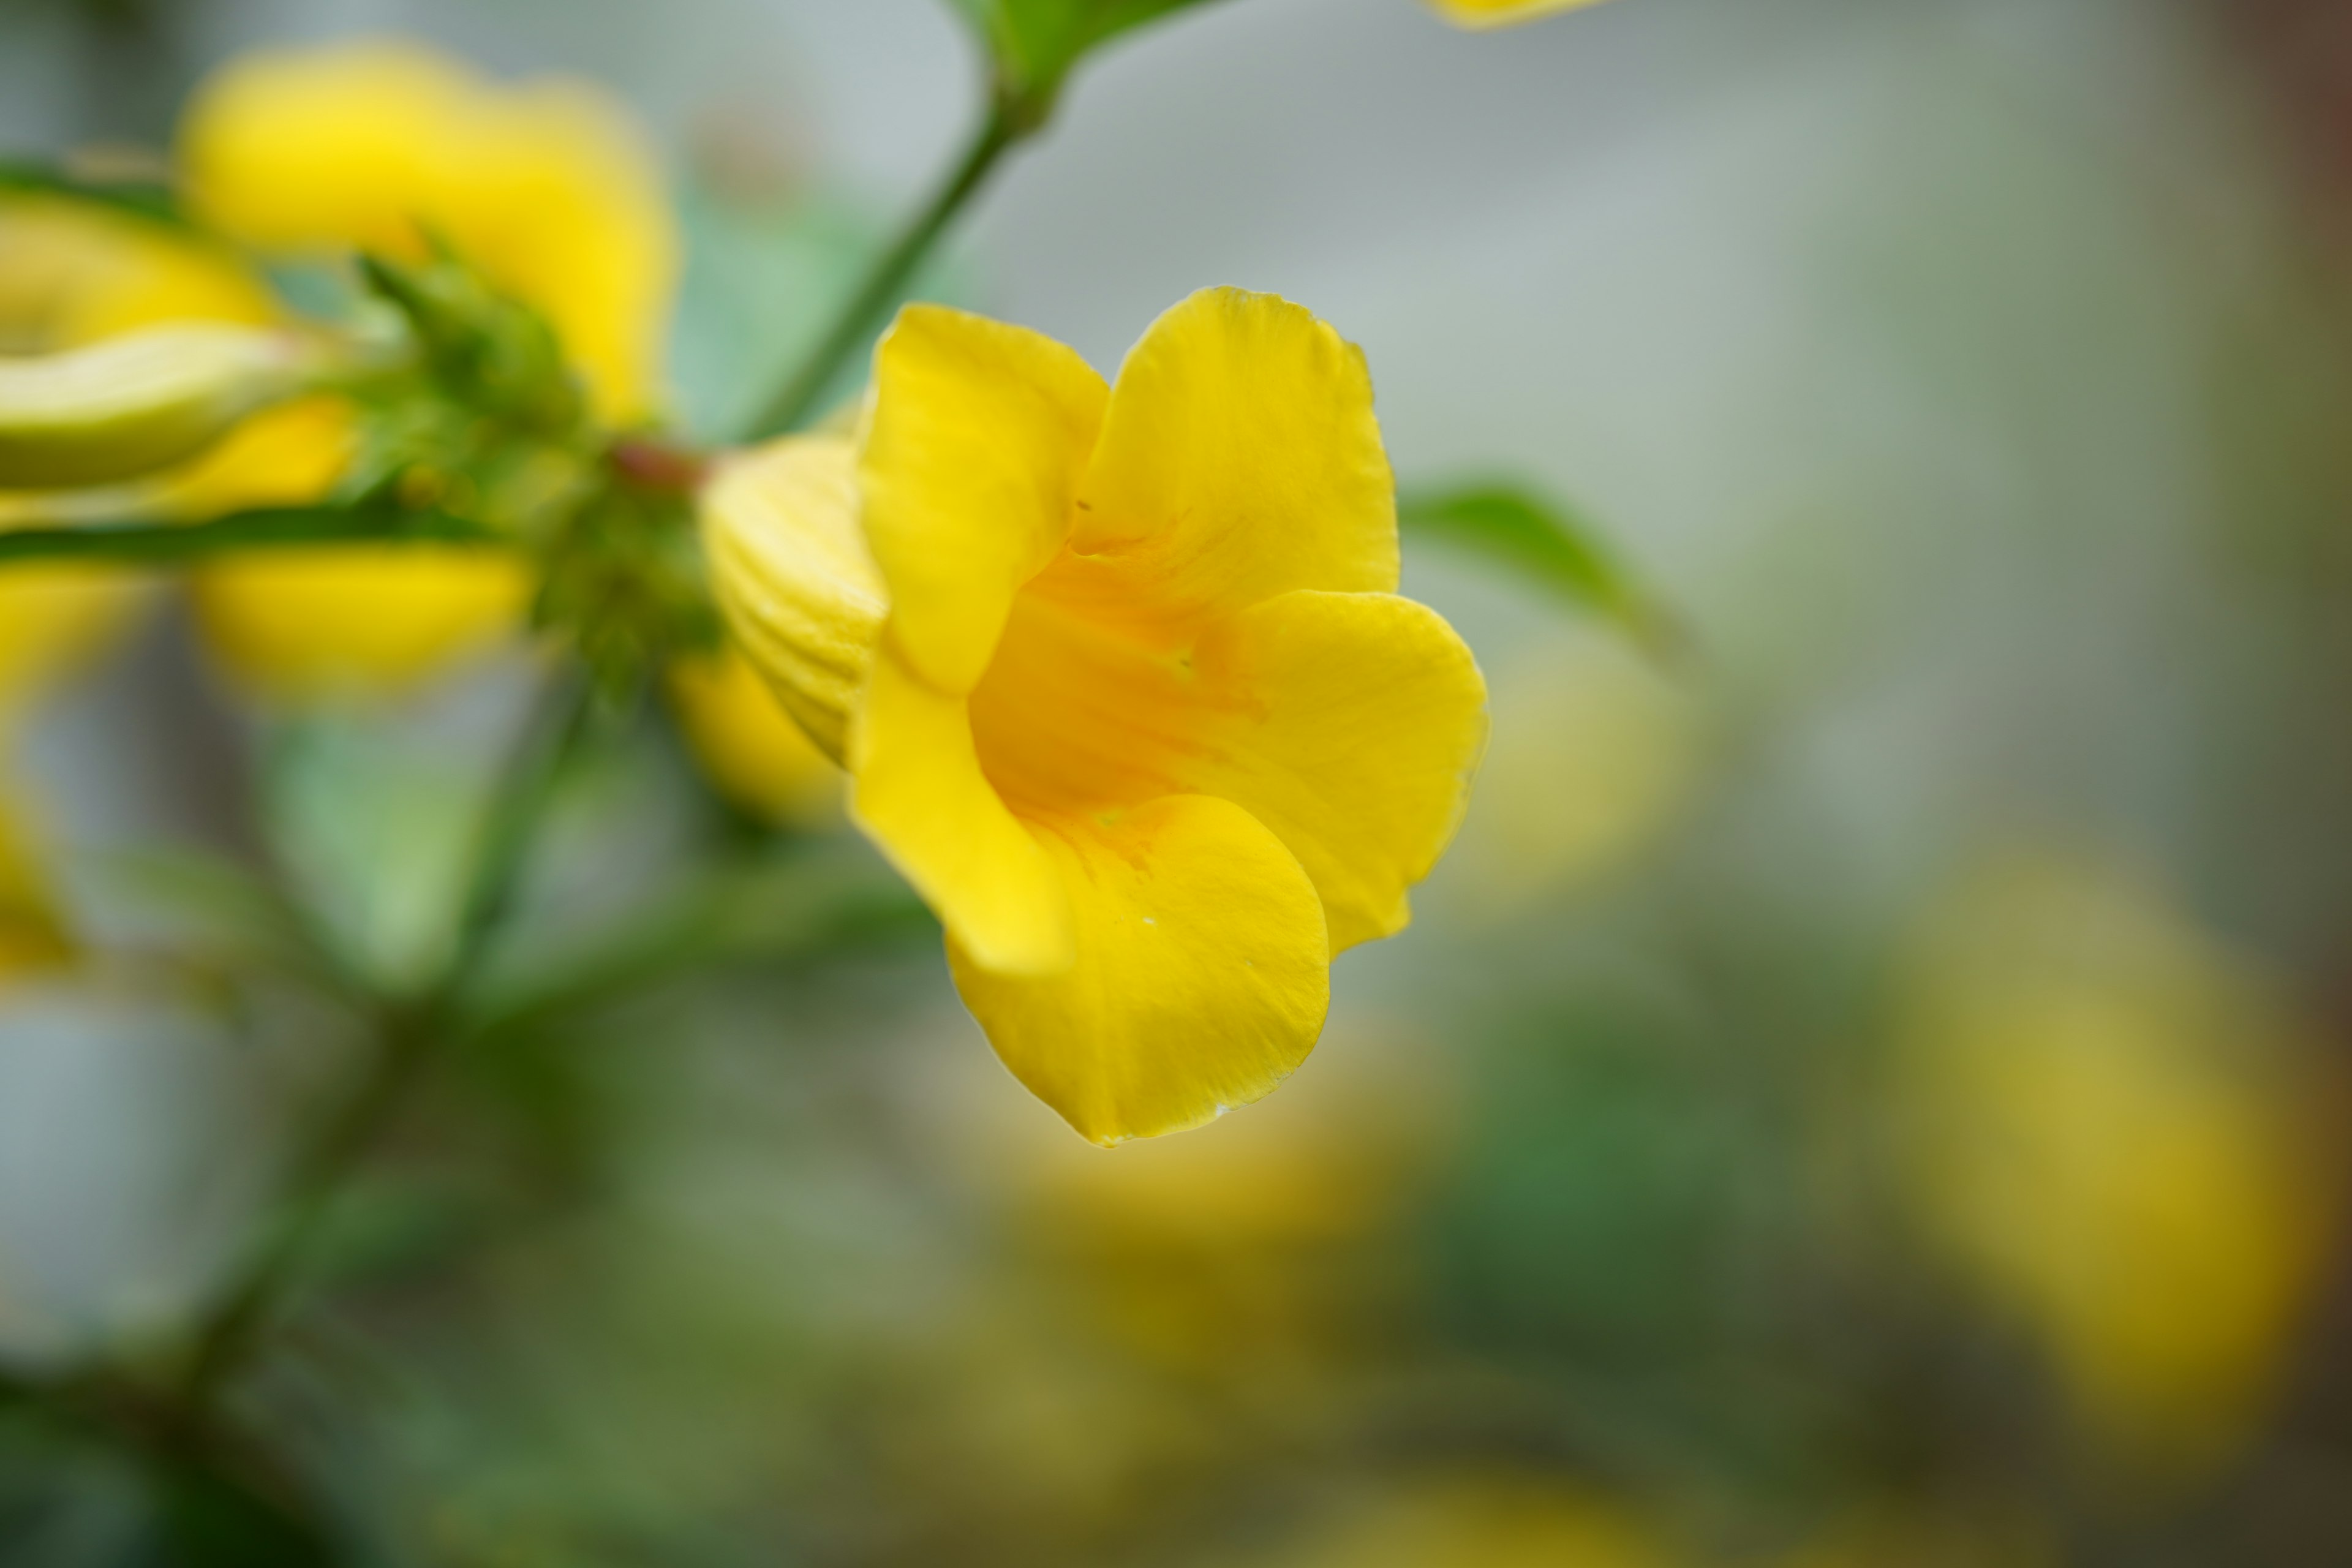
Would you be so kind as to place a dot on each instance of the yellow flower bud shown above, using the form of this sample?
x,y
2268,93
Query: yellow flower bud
x,y
748,747
792,570
131,405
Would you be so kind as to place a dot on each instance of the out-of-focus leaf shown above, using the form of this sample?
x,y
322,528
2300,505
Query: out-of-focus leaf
x,y
1037,43
149,199
207,905
375,829
211,1517
787,909
1548,544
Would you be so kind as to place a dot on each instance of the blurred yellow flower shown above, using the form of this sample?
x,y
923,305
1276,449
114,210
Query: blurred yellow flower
x,y
546,185
1122,682
1503,13
2116,1139
399,614
748,747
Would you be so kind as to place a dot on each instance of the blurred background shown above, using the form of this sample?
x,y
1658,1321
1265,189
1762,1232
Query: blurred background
x,y
1868,1094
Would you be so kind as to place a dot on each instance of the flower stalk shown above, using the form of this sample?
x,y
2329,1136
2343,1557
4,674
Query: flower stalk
x,y
1007,123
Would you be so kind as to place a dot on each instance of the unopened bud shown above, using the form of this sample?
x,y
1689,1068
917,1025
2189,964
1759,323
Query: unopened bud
x,y
134,404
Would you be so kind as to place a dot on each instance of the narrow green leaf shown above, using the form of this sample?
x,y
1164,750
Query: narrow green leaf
x,y
171,544
149,199
1037,43
1544,542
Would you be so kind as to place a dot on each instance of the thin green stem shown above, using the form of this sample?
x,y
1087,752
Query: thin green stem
x,y
409,1031
797,399
170,543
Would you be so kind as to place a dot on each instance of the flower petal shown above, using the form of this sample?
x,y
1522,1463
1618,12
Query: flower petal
x,y
1239,459
919,794
1352,725
1348,723
791,574
547,185
1202,974
356,621
977,437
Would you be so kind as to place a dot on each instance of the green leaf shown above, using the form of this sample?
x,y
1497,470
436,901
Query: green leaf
x,y
1554,547
264,528
1037,43
149,199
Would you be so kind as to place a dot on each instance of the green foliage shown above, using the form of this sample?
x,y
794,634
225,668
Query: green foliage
x,y
1553,547
1035,44
150,199
485,422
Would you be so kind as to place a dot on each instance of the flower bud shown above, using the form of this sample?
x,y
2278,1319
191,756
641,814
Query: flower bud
x,y
131,405
792,570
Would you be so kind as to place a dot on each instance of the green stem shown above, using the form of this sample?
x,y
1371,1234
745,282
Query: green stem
x,y
170,543
409,1032
1002,129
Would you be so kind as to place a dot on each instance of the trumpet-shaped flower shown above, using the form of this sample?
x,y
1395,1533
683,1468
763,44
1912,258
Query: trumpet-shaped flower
x,y
1485,14
1121,680
546,186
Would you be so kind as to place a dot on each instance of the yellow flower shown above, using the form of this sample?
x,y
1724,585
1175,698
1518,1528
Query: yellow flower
x,y
748,747
1122,683
545,185
2113,1142
1484,13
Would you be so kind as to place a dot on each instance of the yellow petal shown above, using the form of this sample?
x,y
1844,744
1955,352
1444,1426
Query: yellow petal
x,y
547,185
1200,976
977,435
791,574
71,274
354,621
748,747
1239,459
1482,13
1356,725
1350,724
288,456
920,795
